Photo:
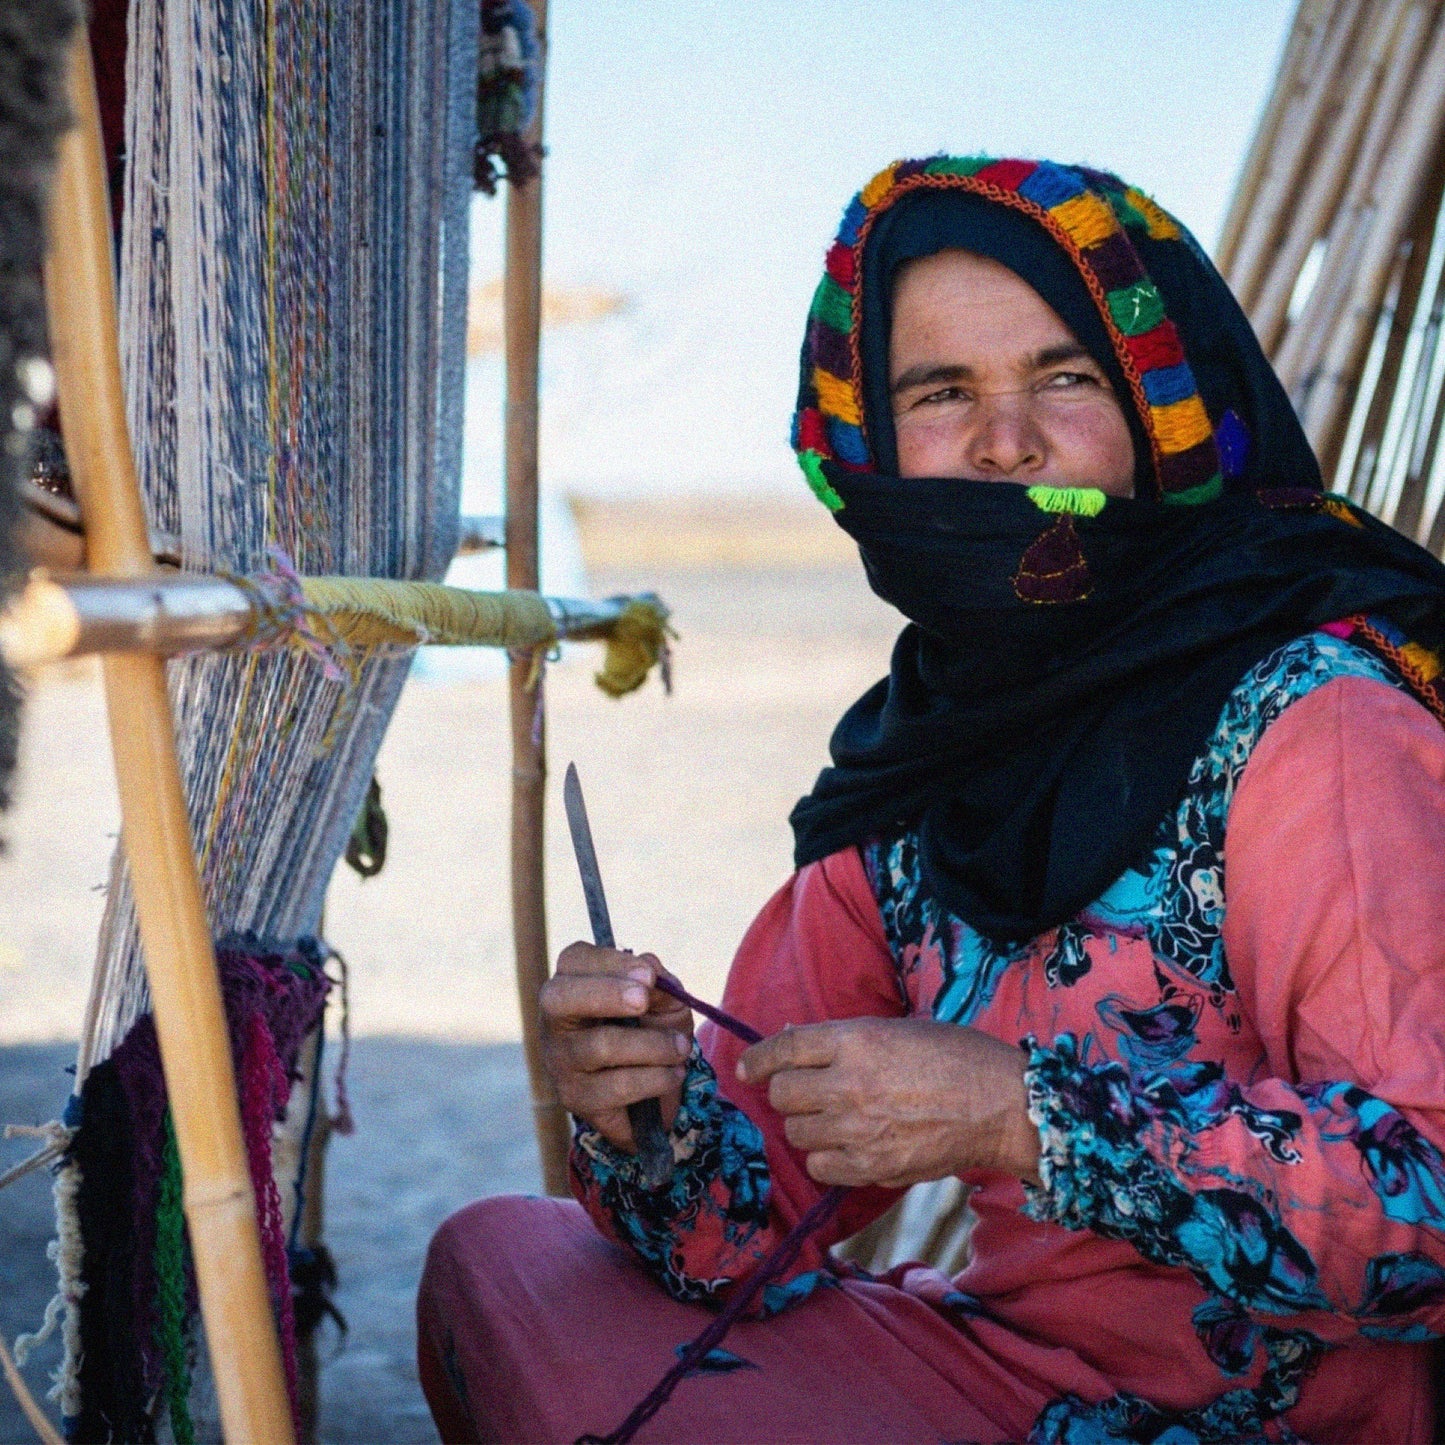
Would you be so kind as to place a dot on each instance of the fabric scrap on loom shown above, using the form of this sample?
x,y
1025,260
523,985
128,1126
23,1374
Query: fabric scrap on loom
x,y
139,1302
507,85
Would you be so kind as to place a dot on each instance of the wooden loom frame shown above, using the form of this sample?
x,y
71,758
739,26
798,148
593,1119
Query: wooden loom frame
x,y
175,933
176,942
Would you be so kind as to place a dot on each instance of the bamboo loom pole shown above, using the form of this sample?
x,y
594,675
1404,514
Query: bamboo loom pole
x,y
1312,212
175,935
1416,147
1298,355
522,327
1290,154
1307,16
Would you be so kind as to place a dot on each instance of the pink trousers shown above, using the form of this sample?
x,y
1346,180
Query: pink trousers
x,y
532,1327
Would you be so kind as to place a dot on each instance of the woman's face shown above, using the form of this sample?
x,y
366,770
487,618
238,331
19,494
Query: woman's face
x,y
988,383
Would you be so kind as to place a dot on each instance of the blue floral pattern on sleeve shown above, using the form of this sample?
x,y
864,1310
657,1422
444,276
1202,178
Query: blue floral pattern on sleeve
x,y
720,1185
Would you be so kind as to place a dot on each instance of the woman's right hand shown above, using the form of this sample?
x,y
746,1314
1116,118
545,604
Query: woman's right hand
x,y
598,1066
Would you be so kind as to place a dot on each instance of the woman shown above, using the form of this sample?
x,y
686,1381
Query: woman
x,y
1201,1107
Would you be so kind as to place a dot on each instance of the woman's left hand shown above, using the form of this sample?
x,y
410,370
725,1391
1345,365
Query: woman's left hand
x,y
897,1101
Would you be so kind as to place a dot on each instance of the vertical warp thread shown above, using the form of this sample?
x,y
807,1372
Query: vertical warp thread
x,y
170,1270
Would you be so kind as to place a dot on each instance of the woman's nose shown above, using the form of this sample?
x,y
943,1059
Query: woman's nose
x,y
1004,439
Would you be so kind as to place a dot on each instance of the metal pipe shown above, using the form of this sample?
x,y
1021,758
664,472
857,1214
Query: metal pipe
x,y
55,617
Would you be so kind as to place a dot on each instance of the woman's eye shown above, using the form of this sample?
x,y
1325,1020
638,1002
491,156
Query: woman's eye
x,y
944,393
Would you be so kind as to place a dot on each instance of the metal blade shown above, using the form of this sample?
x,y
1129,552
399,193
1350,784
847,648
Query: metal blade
x,y
586,853
654,1149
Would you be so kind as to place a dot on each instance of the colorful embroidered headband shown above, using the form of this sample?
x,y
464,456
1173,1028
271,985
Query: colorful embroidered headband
x,y
1089,213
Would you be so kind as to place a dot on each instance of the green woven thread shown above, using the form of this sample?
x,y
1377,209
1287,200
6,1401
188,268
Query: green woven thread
x,y
812,465
1128,213
1204,492
832,306
1137,308
170,1266
1077,501
957,165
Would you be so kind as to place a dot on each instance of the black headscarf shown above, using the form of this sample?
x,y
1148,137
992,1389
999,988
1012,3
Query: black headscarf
x,y
1062,668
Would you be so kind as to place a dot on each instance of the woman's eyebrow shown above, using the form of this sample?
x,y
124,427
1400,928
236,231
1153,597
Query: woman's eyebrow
x,y
1053,355
930,373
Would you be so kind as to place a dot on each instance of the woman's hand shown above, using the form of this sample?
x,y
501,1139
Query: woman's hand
x,y
599,1066
896,1101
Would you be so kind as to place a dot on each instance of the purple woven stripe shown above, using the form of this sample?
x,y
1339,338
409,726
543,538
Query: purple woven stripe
x,y
829,349
1190,469
1115,262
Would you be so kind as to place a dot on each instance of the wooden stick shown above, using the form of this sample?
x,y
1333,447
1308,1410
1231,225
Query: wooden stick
x,y
175,934
1398,189
1290,155
1312,212
1299,353
1307,16
39,1422
522,325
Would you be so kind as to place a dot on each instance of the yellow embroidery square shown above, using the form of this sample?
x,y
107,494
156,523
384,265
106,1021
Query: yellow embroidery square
x,y
835,397
1087,219
1181,425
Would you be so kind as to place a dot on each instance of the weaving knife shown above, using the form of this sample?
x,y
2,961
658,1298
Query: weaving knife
x,y
654,1149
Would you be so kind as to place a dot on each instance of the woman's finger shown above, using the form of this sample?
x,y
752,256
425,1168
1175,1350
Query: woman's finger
x,y
812,1046
800,1091
588,1095
603,1047
589,958
811,1132
577,999
834,1166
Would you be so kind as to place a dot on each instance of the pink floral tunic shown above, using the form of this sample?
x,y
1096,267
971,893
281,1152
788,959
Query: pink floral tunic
x,y
1238,1074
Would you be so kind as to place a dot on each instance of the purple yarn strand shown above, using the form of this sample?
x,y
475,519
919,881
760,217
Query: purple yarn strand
x,y
781,1257
770,1268
668,985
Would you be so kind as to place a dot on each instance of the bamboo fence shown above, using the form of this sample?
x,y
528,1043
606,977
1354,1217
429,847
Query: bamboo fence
x,y
1333,246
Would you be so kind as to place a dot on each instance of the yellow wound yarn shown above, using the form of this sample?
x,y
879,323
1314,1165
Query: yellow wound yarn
x,y
371,612
1087,219
879,186
1181,425
374,612
835,397
634,645
1162,226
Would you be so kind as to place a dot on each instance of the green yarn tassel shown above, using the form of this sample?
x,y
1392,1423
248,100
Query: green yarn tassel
x,y
812,465
1076,501
170,1265
1195,496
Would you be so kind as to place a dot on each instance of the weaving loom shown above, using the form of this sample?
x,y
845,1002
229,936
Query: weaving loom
x,y
292,313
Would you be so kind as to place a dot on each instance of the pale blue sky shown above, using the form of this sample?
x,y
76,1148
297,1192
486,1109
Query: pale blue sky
x,y
701,153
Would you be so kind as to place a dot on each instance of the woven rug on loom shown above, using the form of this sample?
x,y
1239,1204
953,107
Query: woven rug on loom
x,y
138,1309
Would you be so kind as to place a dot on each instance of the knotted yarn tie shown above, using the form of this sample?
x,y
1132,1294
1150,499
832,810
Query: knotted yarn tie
x,y
282,617
775,1263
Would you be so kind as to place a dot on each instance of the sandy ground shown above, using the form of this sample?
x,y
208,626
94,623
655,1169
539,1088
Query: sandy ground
x,y
689,797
